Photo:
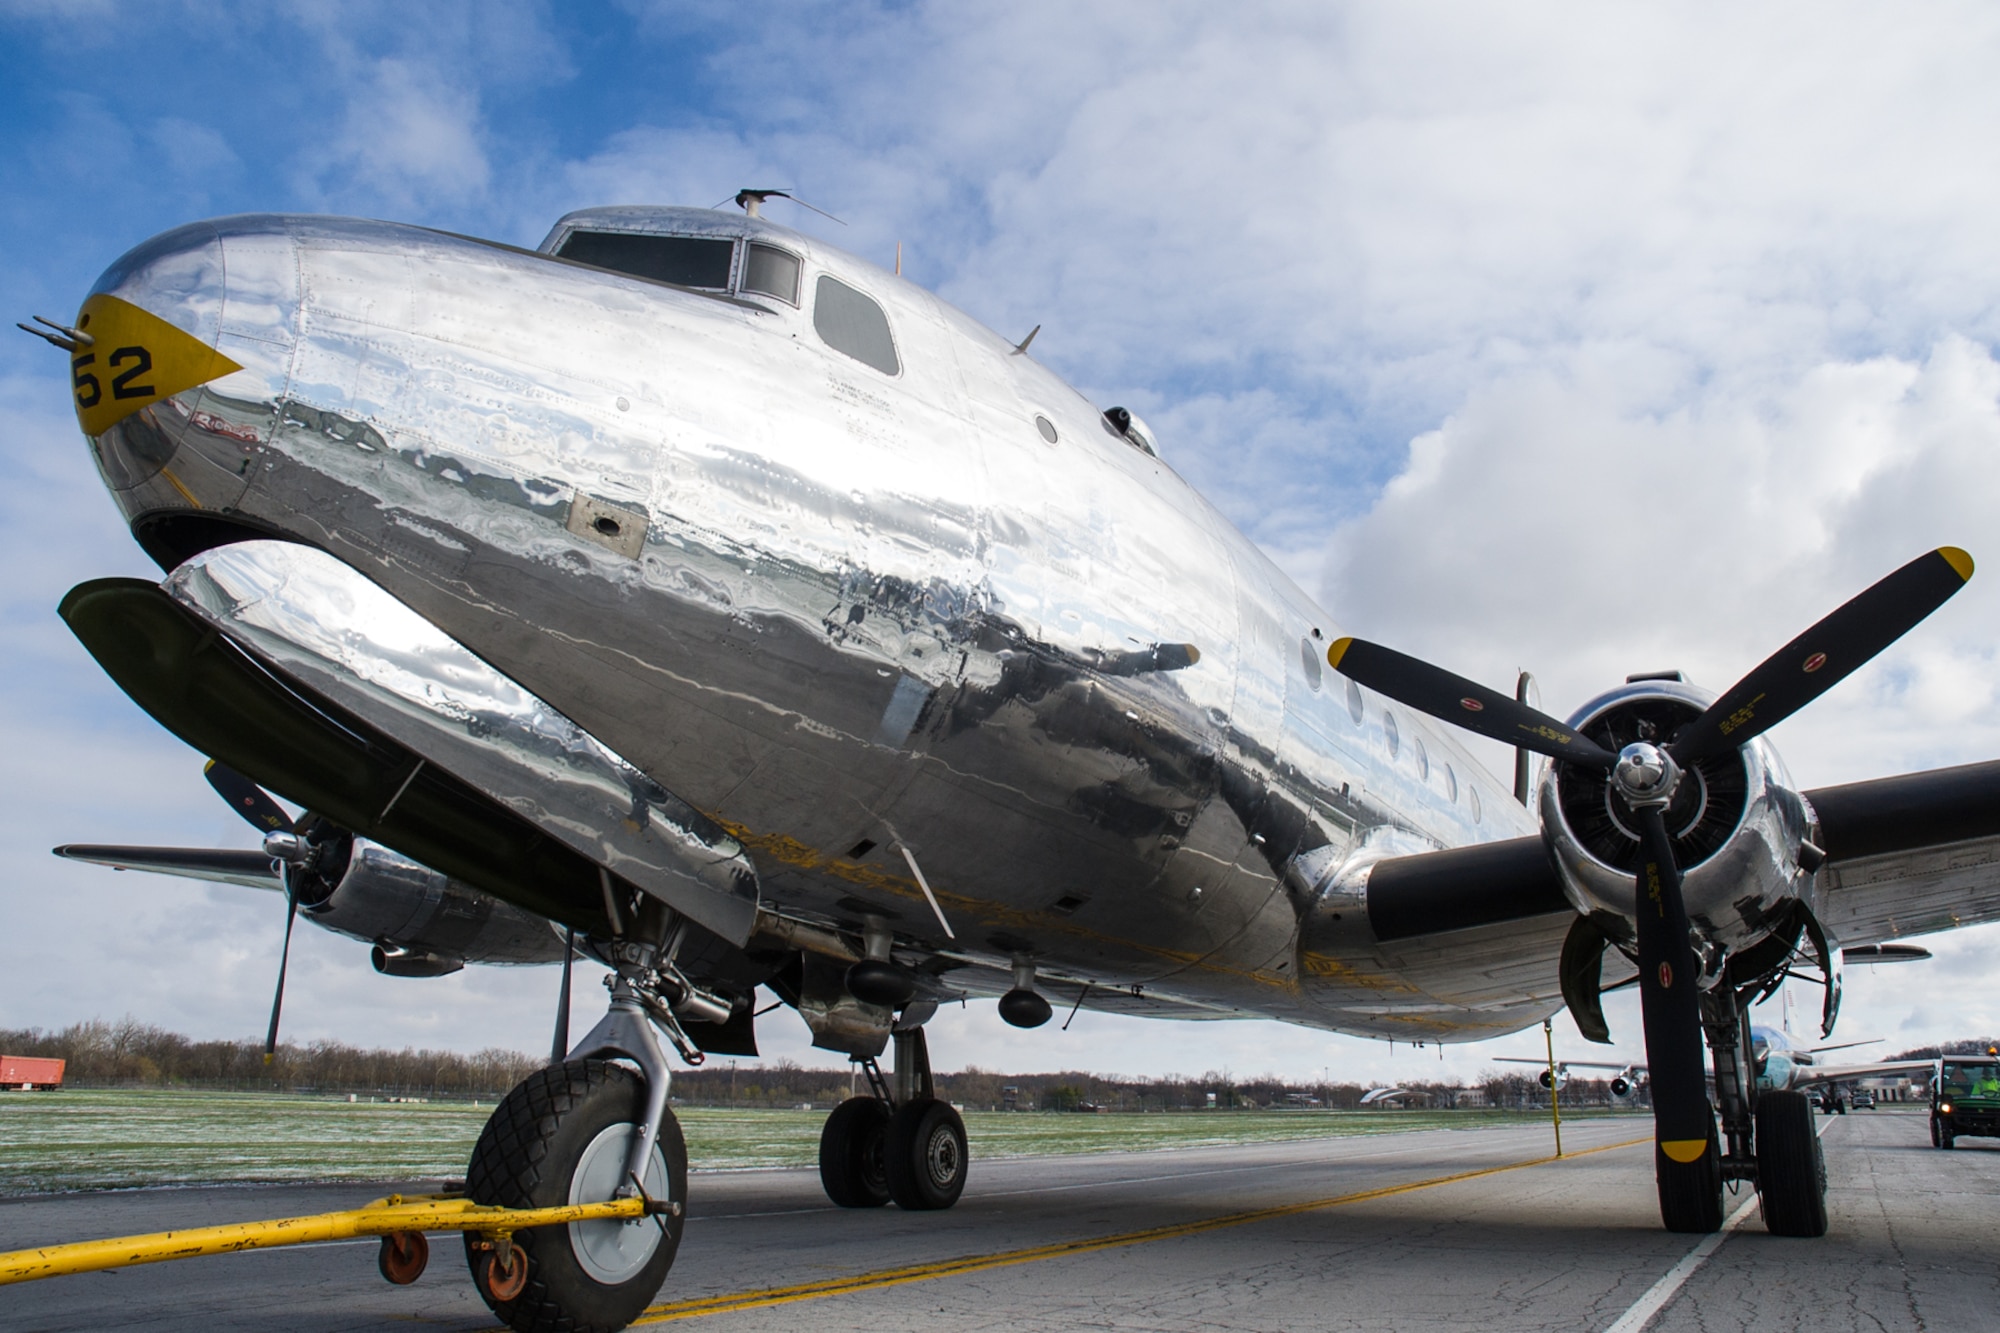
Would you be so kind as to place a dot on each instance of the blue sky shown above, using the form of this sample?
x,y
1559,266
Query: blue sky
x,y
1584,340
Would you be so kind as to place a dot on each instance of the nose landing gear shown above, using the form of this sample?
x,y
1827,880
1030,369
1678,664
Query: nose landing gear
x,y
907,1145
583,1131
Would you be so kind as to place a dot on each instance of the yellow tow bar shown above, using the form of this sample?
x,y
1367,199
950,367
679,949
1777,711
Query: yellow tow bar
x,y
399,1220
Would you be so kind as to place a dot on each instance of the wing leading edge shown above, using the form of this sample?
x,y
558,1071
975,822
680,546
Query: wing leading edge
x,y
252,870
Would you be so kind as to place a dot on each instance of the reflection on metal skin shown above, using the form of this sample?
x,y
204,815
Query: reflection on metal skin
x,y
316,621
838,1020
409,910
812,600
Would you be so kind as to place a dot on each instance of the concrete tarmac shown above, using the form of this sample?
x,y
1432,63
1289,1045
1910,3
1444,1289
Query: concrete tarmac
x,y
1442,1229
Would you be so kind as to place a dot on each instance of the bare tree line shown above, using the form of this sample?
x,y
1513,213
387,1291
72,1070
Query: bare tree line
x,y
134,1054
129,1053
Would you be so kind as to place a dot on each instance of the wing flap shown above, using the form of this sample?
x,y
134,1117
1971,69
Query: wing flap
x,y
1898,894
1911,854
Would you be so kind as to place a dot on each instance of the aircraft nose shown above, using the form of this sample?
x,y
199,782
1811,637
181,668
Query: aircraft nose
x,y
190,339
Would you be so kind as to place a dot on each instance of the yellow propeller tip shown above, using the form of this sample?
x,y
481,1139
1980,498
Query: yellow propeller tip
x,y
1960,562
1337,650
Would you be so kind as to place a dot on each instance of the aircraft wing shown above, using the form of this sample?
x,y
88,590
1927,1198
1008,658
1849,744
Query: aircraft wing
x,y
250,869
1910,855
1810,1075
1063,993
1637,1066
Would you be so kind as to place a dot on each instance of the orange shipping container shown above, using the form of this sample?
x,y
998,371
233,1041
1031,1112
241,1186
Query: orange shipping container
x,y
29,1072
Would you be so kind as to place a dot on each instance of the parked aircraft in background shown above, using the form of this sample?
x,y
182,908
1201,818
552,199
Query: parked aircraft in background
x,y
1625,1075
766,622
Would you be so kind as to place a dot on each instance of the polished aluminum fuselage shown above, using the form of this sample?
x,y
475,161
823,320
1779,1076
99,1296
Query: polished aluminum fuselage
x,y
838,610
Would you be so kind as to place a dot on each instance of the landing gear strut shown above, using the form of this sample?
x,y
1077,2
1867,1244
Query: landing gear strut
x,y
586,1130
1770,1139
903,1144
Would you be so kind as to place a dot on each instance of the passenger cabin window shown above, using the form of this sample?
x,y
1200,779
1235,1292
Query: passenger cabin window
x,y
772,272
685,261
852,323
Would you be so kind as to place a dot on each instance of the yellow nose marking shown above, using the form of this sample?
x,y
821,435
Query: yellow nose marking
x,y
135,359
1684,1150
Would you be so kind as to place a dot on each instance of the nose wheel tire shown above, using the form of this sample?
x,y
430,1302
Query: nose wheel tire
x,y
561,1137
1691,1192
1791,1169
926,1155
852,1148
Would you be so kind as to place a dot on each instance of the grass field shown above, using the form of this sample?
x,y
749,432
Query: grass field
x,y
82,1139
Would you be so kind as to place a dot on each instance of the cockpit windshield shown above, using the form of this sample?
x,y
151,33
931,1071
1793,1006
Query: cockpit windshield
x,y
1968,1079
686,261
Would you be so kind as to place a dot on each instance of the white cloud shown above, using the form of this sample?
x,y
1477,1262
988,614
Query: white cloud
x,y
409,137
194,152
1587,339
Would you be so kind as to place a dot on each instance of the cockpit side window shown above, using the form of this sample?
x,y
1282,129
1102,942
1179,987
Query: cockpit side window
x,y
686,261
773,272
851,322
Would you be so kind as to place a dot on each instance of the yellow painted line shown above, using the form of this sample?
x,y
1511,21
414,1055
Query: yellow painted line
x,y
175,482
767,1297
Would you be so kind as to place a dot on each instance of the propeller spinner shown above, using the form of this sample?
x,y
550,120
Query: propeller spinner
x,y
1646,776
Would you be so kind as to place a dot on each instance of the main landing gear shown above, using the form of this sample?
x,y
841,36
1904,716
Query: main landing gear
x,y
904,1145
1772,1141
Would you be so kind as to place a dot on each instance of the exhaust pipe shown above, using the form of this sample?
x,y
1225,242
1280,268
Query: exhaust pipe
x,y
392,961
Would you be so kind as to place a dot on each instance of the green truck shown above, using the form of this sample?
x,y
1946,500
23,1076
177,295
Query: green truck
x,y
1965,1098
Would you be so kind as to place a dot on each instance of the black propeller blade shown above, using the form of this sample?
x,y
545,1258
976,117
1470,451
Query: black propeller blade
x,y
257,807
1669,1004
1824,655
246,798
1466,703
1645,776
284,958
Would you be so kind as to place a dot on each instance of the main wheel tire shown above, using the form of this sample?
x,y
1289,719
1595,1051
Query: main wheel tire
x,y
1791,1169
926,1156
558,1138
1690,1192
852,1147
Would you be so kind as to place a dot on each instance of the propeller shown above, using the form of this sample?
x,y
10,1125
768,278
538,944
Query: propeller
x,y
1646,775
282,839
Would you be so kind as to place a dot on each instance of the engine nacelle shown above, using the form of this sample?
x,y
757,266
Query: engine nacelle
x,y
1737,823
422,923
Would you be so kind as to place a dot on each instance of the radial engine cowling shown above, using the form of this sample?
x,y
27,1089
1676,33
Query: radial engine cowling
x,y
1737,822
422,922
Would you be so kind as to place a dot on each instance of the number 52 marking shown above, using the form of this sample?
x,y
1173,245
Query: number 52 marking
x,y
89,392
122,385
